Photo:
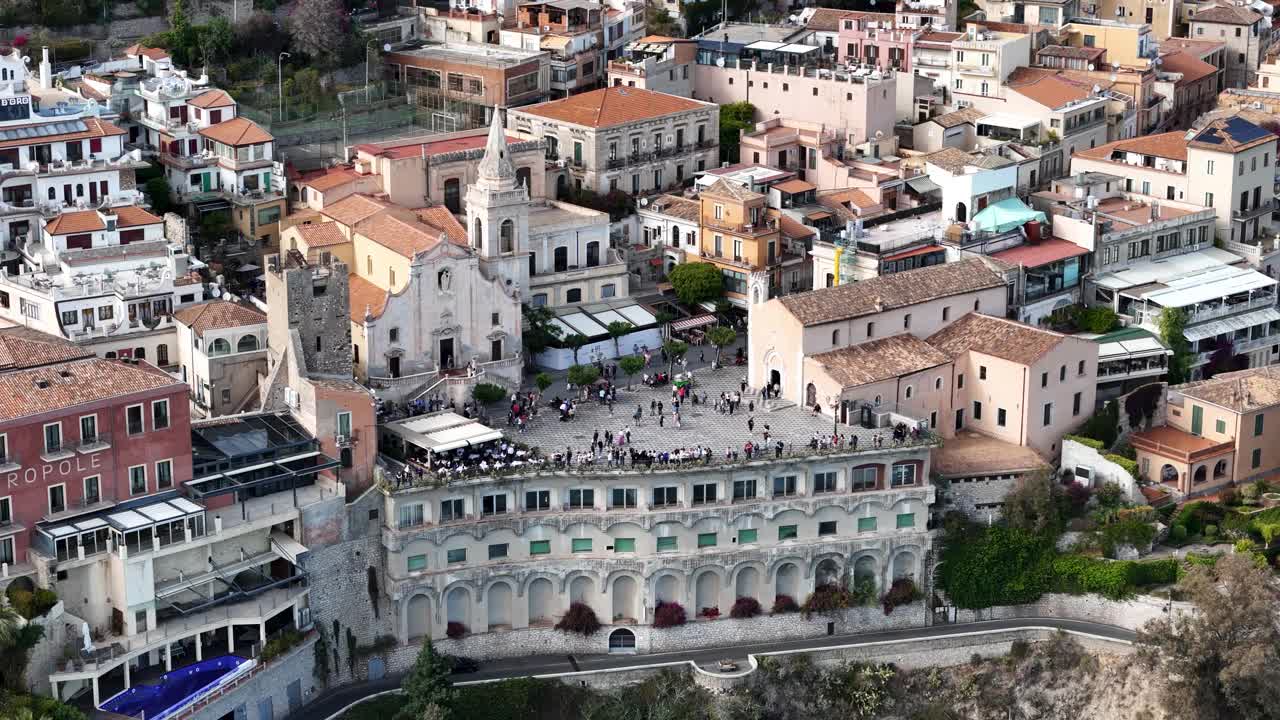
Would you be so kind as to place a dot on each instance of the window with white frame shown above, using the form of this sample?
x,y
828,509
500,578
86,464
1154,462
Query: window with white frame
x,y
138,480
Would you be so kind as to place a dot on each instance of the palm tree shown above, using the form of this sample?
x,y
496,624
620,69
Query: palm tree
x,y
617,329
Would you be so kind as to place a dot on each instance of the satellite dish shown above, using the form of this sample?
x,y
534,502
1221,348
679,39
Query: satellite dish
x,y
386,47
215,292
719,62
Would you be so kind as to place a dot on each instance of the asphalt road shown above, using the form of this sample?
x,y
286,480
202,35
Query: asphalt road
x,y
333,701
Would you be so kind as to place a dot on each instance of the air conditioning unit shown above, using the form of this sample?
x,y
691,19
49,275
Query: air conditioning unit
x,y
343,439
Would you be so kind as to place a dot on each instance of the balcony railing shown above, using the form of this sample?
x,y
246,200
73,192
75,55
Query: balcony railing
x,y
987,70
1262,208
1151,316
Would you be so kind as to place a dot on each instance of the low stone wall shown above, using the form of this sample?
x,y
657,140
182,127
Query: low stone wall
x,y
1129,614
47,654
268,690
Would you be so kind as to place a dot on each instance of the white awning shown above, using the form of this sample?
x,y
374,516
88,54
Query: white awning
x,y
1166,269
128,520
1134,348
1007,120
765,45
441,432
1225,325
637,315
693,322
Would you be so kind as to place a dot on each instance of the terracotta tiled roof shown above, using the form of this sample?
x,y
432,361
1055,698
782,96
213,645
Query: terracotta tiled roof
x,y
94,128
1201,48
354,208
1073,53
827,19
996,337
132,215
400,232
1241,391
150,52
1049,90
893,291
941,38
1041,253
677,207
330,179
612,106
1226,15
878,360
80,221
1185,62
218,315
1171,145
953,160
22,347
366,298
236,132
24,393
731,191
318,235
852,197
959,117
794,185
443,221
212,99
792,228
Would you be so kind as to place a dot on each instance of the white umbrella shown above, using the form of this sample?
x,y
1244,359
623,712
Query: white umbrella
x,y
88,638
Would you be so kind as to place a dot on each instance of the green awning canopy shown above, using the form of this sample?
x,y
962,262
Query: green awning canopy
x,y
1006,215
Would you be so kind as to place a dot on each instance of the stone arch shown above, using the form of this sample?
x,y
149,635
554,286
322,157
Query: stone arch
x,y
706,592
477,233
1168,473
219,347
498,602
248,343
507,236
826,568
531,577
508,580
666,587
1201,474
866,568
746,582
904,565
541,601
787,580
417,617
624,592
810,395
457,603
582,589
715,570
567,581
1220,469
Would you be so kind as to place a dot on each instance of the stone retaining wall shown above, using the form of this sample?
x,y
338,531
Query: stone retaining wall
x,y
268,689
1129,614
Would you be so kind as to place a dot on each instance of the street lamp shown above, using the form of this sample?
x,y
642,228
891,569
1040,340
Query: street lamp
x,y
280,81
366,69
833,399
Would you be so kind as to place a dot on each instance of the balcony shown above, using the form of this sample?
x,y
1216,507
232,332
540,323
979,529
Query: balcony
x,y
763,227
970,69
187,162
169,125
93,443
930,61
1151,316
1266,206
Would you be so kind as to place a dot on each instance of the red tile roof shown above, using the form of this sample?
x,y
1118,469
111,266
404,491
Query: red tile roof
x,y
996,337
132,215
212,99
1171,145
94,128
330,179
236,132
218,315
1185,62
318,235
25,393
1042,253
366,298
22,347
612,106
80,221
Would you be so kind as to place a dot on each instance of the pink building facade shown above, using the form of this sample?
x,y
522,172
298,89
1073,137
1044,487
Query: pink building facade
x,y
876,39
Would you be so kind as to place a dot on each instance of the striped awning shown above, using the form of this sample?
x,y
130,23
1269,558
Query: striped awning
x,y
693,322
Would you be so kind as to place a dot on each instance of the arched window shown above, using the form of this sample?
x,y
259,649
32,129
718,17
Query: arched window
x,y
523,176
835,337
53,194
909,391
937,384
477,232
573,296
561,259
593,253
1220,469
248,343
507,236
219,347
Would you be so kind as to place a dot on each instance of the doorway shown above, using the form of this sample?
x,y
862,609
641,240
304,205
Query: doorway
x,y
446,353
393,366
622,641
775,378
960,419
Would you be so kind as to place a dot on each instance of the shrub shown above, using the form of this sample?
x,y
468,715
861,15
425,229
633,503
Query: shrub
x,y
1078,495
1079,574
710,613
668,615
280,644
1087,442
1197,515
31,604
784,604
1126,531
1249,494
455,630
996,566
1178,532
826,599
902,592
1019,649
745,607
579,619
1229,496
1110,495
1129,466
486,393
1211,531
1155,572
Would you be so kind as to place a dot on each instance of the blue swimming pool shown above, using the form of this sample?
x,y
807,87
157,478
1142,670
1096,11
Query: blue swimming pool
x,y
175,689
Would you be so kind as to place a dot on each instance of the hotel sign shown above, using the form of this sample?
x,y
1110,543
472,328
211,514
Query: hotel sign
x,y
13,108
55,470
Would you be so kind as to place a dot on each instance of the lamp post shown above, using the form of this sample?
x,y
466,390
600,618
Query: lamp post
x,y
366,69
280,81
833,399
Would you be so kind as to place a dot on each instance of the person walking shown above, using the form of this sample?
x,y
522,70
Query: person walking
x,y
751,424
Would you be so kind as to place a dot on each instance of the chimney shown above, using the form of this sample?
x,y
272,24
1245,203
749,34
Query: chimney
x,y
46,70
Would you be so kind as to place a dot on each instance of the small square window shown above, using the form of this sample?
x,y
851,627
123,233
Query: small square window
x,y
457,556
497,551
867,524
787,532
668,544
906,520
827,527
540,547
746,537
580,545
417,563
627,545
982,372
706,540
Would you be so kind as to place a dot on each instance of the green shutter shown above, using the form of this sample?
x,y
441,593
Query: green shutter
x,y
1257,424
706,540
540,547
667,544
417,562
581,545
624,545
906,520
746,537
787,532
867,524
457,556
1197,420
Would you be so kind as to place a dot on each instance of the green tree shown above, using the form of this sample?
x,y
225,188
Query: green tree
x,y
540,331
1172,323
1223,661
583,375
543,381
631,365
427,684
575,343
486,393
1036,505
215,40
734,118
182,39
675,349
316,28
721,337
696,282
659,22
157,190
617,329
663,318
16,641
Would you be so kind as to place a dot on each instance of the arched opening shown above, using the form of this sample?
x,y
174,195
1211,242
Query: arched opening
x,y
453,195
593,253
523,176
507,236
248,343
865,573
747,583
625,596
904,566
775,378
581,590
458,607
811,395
622,640
666,590
540,600
1201,474
787,581
219,347
418,615
560,259
962,213
828,573
477,232
706,593
1168,474
500,607
835,338
1220,469
562,187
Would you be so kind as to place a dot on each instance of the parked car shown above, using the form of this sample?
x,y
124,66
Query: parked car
x,y
463,664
